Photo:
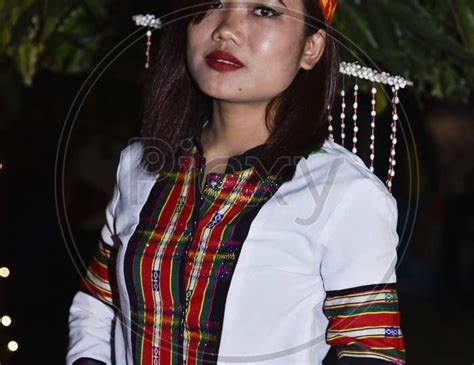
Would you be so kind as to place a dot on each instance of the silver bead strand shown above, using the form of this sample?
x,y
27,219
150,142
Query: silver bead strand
x,y
148,47
354,118
373,113
392,161
343,116
330,126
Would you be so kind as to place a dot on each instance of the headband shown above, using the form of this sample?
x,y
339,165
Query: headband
x,y
328,7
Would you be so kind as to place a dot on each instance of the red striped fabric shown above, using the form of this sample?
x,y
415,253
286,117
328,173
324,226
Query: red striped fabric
x,y
364,322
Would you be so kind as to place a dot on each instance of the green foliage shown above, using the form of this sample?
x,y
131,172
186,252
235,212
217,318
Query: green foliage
x,y
430,42
62,36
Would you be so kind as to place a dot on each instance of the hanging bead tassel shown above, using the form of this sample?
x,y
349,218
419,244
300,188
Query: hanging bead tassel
x,y
150,21
343,116
393,137
372,125
330,127
148,48
354,118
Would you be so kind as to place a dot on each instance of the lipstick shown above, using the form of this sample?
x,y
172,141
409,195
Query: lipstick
x,y
223,61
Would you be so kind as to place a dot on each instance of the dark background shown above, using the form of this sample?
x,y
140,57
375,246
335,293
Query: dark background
x,y
434,182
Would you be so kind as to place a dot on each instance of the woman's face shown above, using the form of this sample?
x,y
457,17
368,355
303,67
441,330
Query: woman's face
x,y
265,36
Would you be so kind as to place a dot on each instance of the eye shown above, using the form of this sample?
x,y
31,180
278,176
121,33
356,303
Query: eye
x,y
267,10
215,5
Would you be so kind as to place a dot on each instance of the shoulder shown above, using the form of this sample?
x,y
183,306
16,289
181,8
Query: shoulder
x,y
338,172
130,160
344,164
133,181
131,155
130,170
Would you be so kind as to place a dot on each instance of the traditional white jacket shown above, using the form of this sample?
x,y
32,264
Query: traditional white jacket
x,y
315,269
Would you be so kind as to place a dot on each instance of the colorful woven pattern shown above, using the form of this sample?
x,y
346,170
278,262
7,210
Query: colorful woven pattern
x,y
364,322
96,281
328,7
182,256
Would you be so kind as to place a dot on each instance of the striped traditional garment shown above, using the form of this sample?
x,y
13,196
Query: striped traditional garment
x,y
181,258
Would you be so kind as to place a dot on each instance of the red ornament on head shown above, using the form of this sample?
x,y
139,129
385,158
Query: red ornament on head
x,y
328,7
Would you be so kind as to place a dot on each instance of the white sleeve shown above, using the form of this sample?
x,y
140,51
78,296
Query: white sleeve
x,y
91,313
358,270
360,238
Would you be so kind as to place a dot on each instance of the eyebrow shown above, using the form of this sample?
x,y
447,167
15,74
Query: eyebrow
x,y
281,2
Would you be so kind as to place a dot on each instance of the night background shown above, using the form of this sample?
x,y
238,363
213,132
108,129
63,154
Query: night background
x,y
71,93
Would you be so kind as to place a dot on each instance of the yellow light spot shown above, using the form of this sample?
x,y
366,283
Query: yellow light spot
x,y
12,346
6,321
4,272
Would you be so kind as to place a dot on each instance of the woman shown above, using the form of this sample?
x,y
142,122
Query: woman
x,y
237,231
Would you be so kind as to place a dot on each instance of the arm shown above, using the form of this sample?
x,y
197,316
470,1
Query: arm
x,y
91,313
358,270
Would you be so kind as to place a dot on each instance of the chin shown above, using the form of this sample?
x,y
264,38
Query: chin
x,y
230,97
222,90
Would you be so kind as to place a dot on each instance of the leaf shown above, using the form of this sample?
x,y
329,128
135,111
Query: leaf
x,y
27,56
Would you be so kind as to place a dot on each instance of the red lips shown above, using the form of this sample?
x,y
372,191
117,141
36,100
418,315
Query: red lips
x,y
215,60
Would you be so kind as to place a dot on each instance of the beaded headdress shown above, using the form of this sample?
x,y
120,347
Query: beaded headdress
x,y
354,70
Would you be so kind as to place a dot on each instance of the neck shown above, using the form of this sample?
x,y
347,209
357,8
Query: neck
x,y
235,128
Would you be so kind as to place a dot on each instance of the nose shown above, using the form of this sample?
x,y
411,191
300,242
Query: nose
x,y
230,23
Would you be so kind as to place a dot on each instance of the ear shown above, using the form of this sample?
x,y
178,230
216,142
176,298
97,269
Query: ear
x,y
313,49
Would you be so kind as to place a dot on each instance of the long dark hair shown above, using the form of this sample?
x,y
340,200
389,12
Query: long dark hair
x,y
175,107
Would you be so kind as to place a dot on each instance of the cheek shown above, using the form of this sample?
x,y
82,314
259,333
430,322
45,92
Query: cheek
x,y
276,59
193,53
